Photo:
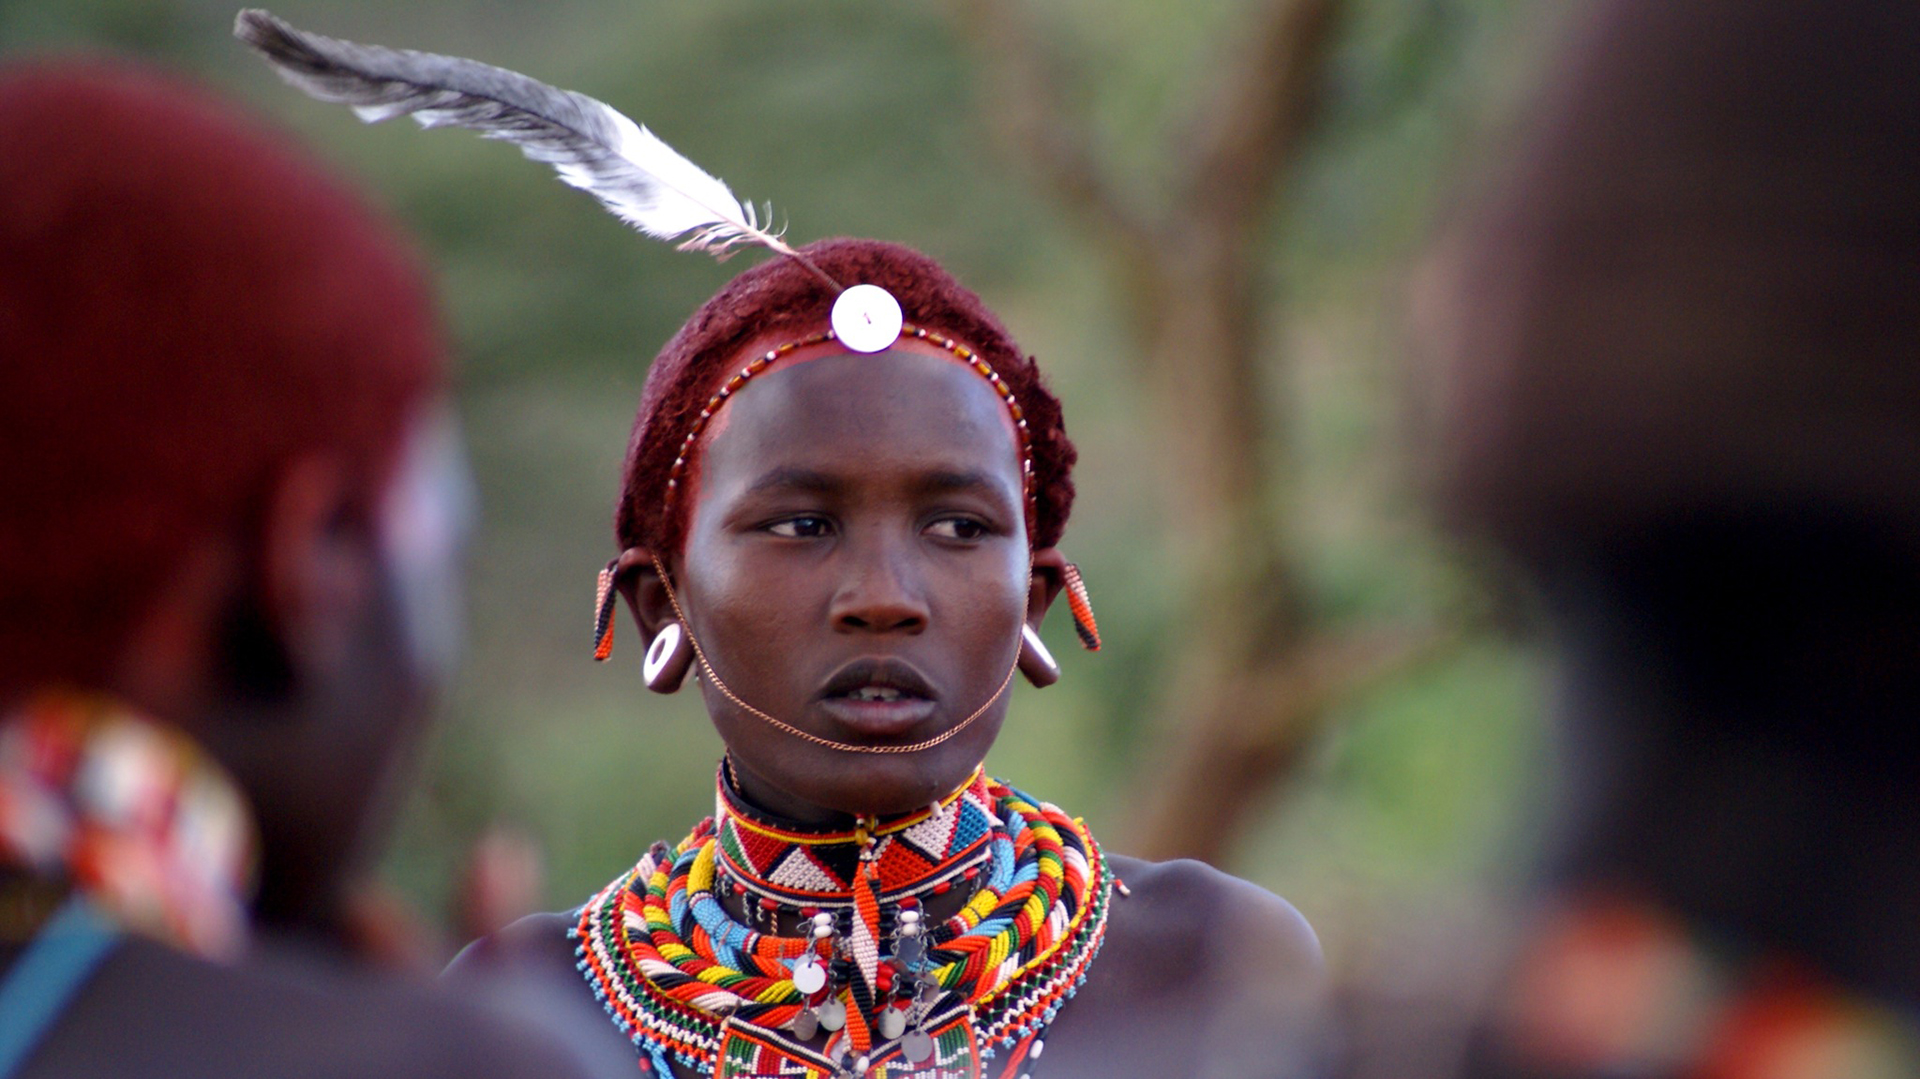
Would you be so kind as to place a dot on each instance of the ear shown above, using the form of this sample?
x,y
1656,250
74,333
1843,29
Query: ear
x,y
1049,577
317,566
169,662
637,577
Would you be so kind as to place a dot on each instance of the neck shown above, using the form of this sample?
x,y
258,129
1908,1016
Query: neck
x,y
778,805
774,867
762,798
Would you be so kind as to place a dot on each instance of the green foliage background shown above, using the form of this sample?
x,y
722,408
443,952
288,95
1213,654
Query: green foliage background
x,y
861,117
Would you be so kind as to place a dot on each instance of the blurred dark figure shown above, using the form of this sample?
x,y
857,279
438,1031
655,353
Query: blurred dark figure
x,y
230,520
1678,374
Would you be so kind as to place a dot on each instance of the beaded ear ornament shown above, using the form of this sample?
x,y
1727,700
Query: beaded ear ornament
x,y
635,175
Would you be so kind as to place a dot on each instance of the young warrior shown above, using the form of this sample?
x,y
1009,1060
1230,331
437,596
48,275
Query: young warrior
x,y
224,592
840,514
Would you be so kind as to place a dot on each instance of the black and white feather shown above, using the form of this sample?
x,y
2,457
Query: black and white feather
x,y
592,145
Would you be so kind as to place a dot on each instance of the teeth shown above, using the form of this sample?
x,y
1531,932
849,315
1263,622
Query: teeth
x,y
876,693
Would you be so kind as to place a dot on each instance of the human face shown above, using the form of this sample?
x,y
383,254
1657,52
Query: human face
x,y
370,633
857,565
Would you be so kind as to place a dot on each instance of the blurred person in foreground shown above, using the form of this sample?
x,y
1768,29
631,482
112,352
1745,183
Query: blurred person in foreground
x,y
1678,373
231,507
841,513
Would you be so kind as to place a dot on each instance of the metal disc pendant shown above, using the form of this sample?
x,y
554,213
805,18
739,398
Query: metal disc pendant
x,y
893,1023
866,318
833,1015
806,1025
809,976
916,1046
910,950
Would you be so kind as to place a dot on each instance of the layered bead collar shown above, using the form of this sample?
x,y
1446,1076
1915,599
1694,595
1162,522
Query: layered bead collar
x,y
131,816
917,854
870,986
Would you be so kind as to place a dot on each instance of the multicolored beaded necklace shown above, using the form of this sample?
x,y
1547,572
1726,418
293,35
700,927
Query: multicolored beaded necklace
x,y
130,815
895,996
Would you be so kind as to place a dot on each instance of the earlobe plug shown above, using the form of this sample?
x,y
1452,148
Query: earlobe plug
x,y
669,658
1035,661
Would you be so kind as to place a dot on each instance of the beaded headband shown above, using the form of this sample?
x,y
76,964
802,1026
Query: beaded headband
x,y
766,359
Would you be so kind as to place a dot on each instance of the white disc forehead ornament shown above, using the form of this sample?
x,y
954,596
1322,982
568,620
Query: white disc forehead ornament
x,y
866,318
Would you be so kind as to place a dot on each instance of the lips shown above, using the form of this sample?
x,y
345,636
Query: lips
x,y
878,698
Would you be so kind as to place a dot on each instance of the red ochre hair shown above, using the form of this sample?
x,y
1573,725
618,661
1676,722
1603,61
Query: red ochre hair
x,y
782,299
186,303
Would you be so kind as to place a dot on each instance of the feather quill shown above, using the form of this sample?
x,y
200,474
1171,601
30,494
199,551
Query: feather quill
x,y
590,144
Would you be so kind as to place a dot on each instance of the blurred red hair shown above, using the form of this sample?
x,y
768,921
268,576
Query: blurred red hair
x,y
186,303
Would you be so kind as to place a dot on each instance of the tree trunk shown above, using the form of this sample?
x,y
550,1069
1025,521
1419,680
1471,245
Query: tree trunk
x,y
1252,677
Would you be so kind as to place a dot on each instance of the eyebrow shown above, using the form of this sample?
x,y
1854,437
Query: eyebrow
x,y
939,481
942,481
796,479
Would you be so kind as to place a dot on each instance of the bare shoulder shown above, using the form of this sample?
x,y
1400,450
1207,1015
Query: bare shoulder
x,y
1195,905
1201,974
528,970
537,941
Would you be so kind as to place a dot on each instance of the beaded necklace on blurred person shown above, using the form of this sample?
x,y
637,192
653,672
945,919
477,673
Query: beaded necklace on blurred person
x,y
126,816
1616,987
109,823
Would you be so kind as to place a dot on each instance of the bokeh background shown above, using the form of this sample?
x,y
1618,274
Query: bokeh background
x,y
1301,682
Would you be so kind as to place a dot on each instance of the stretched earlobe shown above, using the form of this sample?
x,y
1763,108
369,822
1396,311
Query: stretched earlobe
x,y
669,658
1036,663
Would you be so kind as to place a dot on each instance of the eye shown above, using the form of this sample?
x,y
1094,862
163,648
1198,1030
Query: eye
x,y
964,529
803,527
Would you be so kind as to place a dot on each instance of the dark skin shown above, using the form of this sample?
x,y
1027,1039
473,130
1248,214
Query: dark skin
x,y
277,646
831,527
858,507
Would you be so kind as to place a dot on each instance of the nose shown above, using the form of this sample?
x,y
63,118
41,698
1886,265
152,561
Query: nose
x,y
880,593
